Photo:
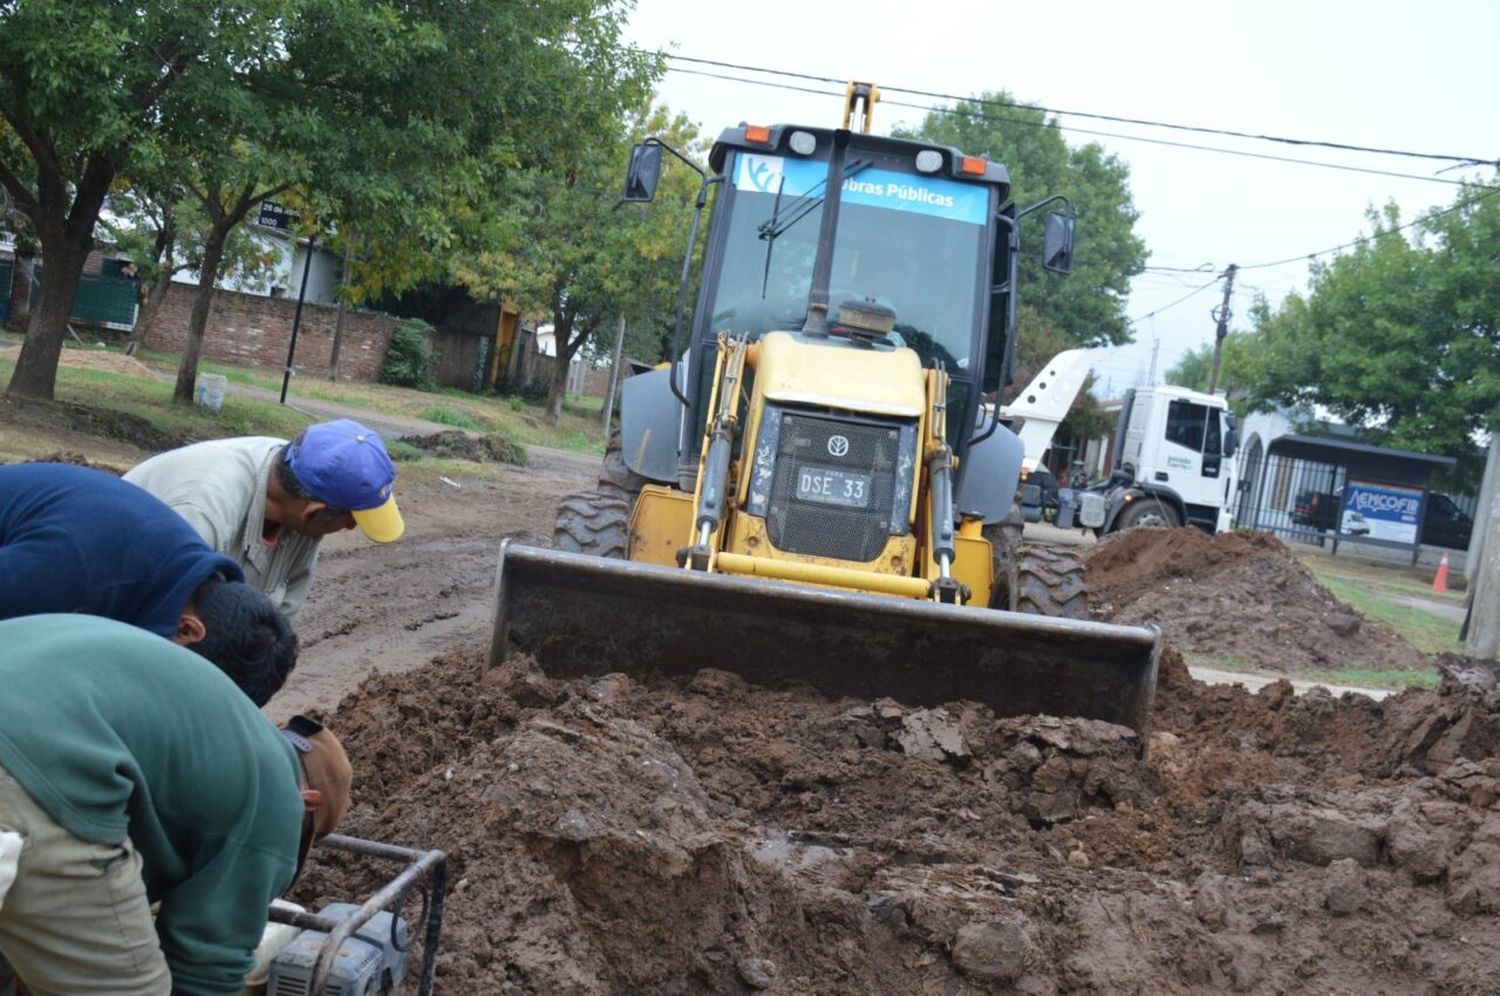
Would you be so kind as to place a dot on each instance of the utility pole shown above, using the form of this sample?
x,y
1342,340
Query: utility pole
x,y
1482,626
1486,498
1222,315
291,349
1155,347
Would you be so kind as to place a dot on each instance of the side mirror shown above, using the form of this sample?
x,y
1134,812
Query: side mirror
x,y
1231,442
644,173
1057,243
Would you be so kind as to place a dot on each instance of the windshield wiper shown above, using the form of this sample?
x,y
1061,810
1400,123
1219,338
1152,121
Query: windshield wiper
x,y
773,227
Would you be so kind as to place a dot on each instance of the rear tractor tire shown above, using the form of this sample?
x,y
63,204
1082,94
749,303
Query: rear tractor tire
x,y
615,478
1044,581
593,523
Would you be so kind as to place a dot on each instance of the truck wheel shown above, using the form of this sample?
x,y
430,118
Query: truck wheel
x,y
614,477
1147,512
593,523
1046,581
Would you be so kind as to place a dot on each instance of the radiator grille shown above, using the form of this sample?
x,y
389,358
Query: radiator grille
x,y
841,451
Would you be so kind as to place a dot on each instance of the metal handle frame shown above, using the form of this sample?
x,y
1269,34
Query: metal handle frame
x,y
393,895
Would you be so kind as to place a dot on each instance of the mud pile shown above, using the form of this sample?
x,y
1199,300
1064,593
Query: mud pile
x,y
496,447
611,835
1235,597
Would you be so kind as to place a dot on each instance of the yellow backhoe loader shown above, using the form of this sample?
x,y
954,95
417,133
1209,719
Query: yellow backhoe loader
x,y
811,491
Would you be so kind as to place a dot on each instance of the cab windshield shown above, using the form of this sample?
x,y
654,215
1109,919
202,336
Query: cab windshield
x,y
911,242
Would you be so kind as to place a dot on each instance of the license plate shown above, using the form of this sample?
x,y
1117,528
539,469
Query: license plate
x,y
833,487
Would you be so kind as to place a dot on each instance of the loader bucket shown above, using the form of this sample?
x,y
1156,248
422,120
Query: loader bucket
x,y
579,615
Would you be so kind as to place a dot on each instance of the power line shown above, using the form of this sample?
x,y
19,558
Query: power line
x,y
1420,219
1009,105
1190,294
934,109
1468,160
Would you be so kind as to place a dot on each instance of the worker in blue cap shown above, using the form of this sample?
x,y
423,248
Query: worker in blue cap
x,y
268,503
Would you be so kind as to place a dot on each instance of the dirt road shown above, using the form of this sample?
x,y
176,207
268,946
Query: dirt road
x,y
392,607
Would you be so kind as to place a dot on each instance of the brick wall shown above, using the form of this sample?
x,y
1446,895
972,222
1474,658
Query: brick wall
x,y
253,331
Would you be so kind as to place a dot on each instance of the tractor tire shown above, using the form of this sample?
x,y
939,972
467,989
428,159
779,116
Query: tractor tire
x,y
1148,512
615,478
1005,539
593,523
1046,581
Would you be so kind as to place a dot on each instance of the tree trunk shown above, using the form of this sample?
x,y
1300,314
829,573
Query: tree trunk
x,y
19,318
66,239
558,389
187,370
36,368
156,295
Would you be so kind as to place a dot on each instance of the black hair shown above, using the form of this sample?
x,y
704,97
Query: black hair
x,y
246,636
284,475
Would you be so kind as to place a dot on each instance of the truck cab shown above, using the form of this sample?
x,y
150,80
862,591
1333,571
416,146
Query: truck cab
x,y
1174,461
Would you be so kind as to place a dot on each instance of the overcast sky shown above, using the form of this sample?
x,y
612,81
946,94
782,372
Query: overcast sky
x,y
1413,76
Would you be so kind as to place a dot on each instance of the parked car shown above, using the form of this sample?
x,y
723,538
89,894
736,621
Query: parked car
x,y
1443,522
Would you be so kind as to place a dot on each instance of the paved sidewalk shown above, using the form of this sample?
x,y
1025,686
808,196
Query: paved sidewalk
x,y
1255,682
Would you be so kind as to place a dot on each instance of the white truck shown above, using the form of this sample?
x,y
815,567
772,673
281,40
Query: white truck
x,y
1173,460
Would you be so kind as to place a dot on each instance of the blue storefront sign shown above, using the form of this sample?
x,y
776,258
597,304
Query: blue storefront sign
x,y
1382,511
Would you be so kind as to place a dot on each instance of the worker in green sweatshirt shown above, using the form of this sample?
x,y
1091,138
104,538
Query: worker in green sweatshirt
x,y
133,772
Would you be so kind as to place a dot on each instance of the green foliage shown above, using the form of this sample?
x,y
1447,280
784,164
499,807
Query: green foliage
x,y
444,415
516,403
1236,369
409,359
562,249
1400,335
393,122
1088,306
403,452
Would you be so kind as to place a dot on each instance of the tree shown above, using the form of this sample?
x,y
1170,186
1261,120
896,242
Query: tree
x,y
567,251
399,118
1235,368
1088,306
1399,335
87,90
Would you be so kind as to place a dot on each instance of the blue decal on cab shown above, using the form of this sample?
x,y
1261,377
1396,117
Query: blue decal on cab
x,y
882,188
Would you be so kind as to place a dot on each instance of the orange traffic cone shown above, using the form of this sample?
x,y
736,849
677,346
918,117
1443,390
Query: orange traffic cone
x,y
1440,580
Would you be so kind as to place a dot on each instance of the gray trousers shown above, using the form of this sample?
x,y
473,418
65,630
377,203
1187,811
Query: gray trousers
x,y
76,921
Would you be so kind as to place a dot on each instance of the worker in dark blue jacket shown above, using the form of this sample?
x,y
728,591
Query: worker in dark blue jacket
x,y
80,540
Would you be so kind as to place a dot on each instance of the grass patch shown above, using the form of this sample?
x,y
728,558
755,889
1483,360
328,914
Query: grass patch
x,y
1396,579
151,401
1427,632
525,421
1363,677
444,415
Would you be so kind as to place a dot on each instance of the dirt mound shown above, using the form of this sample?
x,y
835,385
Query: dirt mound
x,y
90,359
1239,598
497,447
77,460
69,416
704,836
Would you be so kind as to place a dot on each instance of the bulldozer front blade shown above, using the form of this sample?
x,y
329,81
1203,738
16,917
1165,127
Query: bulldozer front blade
x,y
579,615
